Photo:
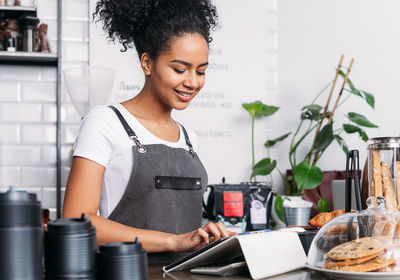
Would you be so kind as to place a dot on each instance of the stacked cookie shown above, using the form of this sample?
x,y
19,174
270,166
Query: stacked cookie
x,y
381,181
361,255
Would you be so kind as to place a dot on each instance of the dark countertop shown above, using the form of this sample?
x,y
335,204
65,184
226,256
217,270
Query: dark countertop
x,y
155,272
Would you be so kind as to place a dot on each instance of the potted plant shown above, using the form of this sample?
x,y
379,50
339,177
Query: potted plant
x,y
265,166
318,123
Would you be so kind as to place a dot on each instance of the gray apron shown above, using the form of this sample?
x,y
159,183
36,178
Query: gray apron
x,y
164,192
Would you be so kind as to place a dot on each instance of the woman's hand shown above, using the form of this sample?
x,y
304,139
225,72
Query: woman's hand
x,y
196,239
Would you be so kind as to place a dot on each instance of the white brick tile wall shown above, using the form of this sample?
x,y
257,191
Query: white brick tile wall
x,y
49,197
49,74
10,176
18,73
66,155
76,9
38,176
38,134
49,113
65,174
39,92
69,115
49,155
9,134
9,92
74,51
75,30
69,134
20,112
28,109
47,8
20,155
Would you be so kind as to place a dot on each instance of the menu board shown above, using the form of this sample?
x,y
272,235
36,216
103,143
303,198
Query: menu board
x,y
237,71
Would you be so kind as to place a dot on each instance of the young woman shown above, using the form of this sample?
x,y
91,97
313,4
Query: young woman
x,y
132,161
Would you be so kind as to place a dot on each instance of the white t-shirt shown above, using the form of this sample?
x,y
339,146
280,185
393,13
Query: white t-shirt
x,y
103,139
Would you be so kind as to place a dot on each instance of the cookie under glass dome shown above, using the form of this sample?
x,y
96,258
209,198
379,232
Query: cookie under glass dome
x,y
366,241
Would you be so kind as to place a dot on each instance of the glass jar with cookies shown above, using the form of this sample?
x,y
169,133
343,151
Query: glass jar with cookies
x,y
384,170
359,245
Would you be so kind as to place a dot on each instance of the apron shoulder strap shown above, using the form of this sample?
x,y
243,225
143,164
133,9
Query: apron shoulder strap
x,y
126,126
191,150
133,136
129,131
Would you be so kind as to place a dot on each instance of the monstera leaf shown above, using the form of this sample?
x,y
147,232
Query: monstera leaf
x,y
307,176
263,167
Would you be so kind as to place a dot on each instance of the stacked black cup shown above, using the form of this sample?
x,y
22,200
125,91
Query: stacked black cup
x,y
20,236
70,249
122,261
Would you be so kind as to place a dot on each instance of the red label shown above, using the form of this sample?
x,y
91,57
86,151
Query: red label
x,y
233,204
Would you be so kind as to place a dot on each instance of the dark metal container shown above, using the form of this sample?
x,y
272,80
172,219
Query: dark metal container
x,y
122,261
70,249
20,236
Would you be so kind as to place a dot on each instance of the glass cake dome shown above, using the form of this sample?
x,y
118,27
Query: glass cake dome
x,y
359,242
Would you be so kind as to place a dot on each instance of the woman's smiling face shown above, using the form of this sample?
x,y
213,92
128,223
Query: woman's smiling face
x,y
177,75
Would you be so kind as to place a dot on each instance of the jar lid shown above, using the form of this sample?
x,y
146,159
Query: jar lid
x,y
121,248
28,21
13,195
19,208
70,225
384,143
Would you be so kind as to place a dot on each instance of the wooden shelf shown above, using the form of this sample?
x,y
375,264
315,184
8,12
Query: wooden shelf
x,y
28,58
17,8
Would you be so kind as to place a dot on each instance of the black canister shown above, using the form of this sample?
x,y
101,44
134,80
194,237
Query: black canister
x,y
20,236
122,261
70,249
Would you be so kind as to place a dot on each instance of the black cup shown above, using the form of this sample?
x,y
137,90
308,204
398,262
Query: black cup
x,y
20,236
122,261
70,249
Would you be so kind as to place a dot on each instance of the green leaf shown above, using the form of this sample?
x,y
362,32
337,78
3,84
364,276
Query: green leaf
x,y
364,136
323,205
307,176
356,91
369,98
324,138
263,167
360,120
341,143
272,142
311,112
253,108
278,206
267,110
312,107
349,128
352,87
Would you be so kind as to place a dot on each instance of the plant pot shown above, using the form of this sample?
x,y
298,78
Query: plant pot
x,y
296,210
323,190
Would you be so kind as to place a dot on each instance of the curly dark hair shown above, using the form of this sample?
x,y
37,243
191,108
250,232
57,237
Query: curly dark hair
x,y
151,25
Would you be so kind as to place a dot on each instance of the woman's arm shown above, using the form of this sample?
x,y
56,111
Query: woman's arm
x,y
83,194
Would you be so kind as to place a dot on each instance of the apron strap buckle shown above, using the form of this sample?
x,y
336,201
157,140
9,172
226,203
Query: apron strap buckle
x,y
141,149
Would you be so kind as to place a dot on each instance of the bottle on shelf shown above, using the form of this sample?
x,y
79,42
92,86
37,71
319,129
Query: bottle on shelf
x,y
45,218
